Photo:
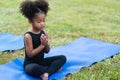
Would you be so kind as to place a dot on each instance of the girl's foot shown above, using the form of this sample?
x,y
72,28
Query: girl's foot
x,y
44,76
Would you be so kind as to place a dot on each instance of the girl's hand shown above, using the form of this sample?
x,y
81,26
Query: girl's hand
x,y
46,34
44,39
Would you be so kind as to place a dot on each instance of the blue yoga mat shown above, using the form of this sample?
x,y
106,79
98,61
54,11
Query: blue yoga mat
x,y
9,42
80,53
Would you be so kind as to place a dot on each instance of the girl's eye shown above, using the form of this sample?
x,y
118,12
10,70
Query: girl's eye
x,y
38,21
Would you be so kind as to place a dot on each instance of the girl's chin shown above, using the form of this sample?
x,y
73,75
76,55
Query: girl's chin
x,y
42,28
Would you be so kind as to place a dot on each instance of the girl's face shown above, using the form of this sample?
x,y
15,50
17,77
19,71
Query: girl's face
x,y
38,21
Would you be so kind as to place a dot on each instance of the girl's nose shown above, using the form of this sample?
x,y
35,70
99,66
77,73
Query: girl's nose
x,y
42,23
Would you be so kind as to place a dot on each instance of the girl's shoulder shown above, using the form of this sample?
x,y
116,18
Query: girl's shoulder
x,y
27,36
27,33
34,34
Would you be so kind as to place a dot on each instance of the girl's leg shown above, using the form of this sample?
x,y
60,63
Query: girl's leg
x,y
54,63
35,70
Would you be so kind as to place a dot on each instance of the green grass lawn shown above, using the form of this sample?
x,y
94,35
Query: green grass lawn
x,y
66,21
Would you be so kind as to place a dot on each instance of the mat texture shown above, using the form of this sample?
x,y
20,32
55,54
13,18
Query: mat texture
x,y
9,42
80,53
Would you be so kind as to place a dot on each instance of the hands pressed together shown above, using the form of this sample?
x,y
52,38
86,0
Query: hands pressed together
x,y
44,39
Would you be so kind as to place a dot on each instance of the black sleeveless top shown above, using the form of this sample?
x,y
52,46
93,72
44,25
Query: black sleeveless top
x,y
36,42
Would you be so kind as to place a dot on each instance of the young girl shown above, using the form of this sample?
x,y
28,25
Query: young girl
x,y
36,41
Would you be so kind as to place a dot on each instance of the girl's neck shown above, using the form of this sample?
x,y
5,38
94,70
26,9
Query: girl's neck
x,y
34,31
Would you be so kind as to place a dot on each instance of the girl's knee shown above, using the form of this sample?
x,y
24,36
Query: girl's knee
x,y
63,58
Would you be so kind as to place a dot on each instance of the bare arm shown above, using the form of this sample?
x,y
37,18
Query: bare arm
x,y
29,46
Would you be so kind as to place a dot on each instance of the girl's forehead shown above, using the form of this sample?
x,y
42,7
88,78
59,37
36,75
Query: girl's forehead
x,y
39,16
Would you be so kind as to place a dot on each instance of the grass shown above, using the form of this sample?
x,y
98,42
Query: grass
x,y
66,21
105,70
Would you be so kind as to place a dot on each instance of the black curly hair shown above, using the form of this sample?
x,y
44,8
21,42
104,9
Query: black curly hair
x,y
29,8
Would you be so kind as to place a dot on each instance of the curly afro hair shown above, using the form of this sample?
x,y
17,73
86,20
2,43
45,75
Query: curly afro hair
x,y
29,8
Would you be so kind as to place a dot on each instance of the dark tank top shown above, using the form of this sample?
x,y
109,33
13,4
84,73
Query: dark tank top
x,y
38,58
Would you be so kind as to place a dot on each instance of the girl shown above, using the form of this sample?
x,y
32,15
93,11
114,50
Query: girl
x,y
36,41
